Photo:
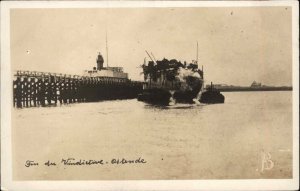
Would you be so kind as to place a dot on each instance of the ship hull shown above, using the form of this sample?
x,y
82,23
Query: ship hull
x,y
210,97
163,96
155,96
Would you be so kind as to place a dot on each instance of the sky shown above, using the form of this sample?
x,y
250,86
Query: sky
x,y
236,45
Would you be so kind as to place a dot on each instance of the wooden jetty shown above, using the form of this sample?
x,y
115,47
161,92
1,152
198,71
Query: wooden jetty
x,y
32,89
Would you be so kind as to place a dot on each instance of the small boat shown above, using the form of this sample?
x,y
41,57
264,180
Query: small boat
x,y
212,95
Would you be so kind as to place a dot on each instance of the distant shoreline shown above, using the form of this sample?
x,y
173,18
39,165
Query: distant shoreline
x,y
240,89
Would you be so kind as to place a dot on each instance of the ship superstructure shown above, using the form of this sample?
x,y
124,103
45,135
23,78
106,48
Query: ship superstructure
x,y
101,71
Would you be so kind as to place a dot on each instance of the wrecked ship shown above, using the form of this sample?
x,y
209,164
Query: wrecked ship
x,y
168,81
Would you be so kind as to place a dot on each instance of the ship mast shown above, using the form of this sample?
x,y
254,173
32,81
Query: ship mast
x,y
197,54
106,49
151,57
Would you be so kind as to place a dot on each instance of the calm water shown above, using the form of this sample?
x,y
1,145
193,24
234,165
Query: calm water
x,y
221,141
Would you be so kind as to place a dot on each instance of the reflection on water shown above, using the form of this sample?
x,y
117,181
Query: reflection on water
x,y
182,141
176,106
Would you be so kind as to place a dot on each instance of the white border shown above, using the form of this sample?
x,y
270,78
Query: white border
x,y
6,94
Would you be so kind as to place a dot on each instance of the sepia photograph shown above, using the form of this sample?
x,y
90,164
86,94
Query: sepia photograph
x,y
123,92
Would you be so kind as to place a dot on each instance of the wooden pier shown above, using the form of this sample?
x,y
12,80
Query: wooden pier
x,y
33,89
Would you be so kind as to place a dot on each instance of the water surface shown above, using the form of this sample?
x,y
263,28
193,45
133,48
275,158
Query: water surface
x,y
219,141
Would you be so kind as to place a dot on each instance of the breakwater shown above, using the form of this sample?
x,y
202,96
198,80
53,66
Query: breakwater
x,y
243,89
33,89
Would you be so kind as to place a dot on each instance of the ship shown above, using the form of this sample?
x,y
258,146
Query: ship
x,y
211,95
116,73
171,81
113,82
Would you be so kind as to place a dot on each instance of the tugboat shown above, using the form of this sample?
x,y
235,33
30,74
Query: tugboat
x,y
211,95
171,80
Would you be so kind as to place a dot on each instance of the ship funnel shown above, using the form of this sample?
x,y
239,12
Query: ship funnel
x,y
100,61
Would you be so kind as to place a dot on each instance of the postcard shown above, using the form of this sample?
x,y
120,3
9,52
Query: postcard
x,y
153,95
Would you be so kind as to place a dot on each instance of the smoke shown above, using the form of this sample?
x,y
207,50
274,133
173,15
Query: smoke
x,y
189,83
183,73
182,76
